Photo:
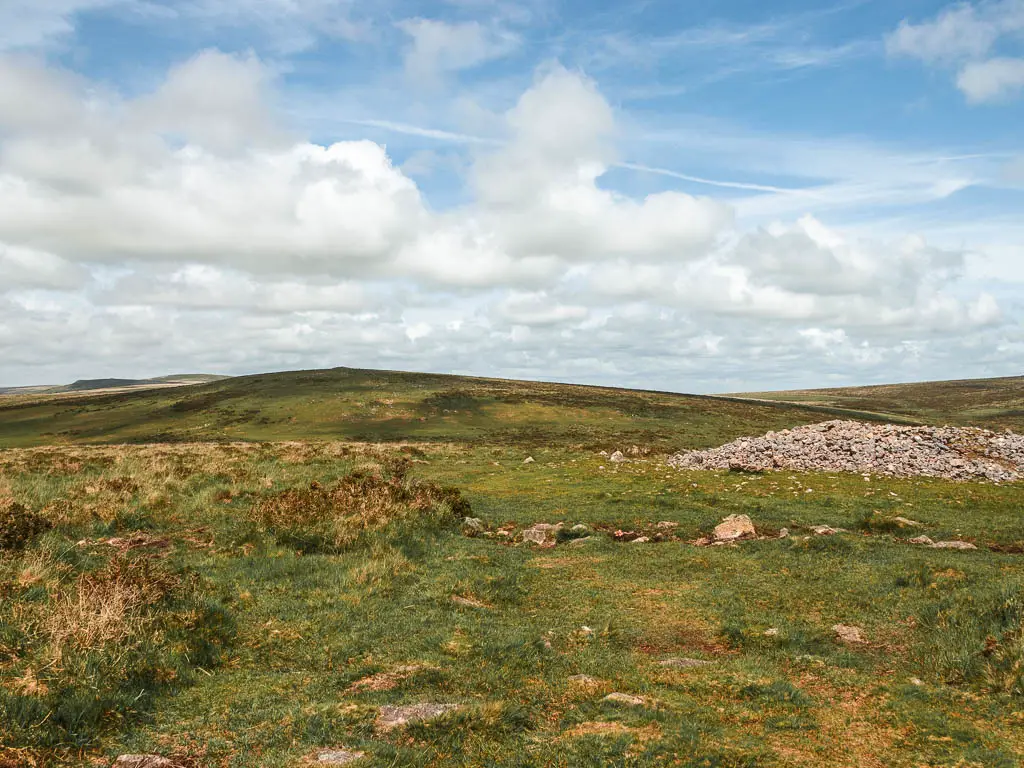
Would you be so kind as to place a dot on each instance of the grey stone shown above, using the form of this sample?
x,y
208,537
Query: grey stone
x,y
962,545
734,528
626,699
391,717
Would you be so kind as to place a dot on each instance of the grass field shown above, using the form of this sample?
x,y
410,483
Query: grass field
x,y
993,403
231,603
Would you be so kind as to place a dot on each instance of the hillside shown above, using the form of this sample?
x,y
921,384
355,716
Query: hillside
x,y
489,574
107,385
993,403
383,406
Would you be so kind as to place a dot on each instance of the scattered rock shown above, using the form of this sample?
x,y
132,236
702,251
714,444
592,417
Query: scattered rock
x,y
625,699
585,681
469,602
783,533
144,761
826,530
849,634
580,542
542,534
684,663
617,458
338,756
391,717
916,681
641,540
528,460
922,540
579,528
906,522
734,528
665,525
771,632
956,453
472,525
963,545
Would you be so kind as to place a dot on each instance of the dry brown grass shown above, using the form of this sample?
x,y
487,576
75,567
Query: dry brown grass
x,y
106,607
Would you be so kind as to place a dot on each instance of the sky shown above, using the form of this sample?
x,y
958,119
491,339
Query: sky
x,y
698,197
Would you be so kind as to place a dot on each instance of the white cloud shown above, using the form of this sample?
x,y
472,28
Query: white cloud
x,y
28,24
439,47
964,36
148,221
991,80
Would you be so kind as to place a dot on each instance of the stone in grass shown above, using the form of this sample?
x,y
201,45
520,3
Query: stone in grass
x,y
640,540
617,457
963,545
472,524
580,542
734,528
144,761
826,530
542,534
338,756
625,699
922,540
391,717
684,663
849,634
585,681
528,460
905,522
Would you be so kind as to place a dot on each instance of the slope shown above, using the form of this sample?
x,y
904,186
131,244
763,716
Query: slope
x,y
384,406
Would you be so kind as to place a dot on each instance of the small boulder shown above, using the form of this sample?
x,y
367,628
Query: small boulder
x,y
626,699
905,522
826,530
391,717
581,542
849,634
962,545
734,528
640,540
617,457
922,540
528,460
579,528
783,533
542,534
771,632
472,525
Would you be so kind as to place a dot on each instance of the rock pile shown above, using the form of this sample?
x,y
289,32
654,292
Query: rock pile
x,y
956,453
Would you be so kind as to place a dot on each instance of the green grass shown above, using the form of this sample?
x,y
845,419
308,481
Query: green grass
x,y
992,403
276,594
386,406
307,626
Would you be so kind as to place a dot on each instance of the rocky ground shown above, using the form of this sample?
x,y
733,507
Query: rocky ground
x,y
955,453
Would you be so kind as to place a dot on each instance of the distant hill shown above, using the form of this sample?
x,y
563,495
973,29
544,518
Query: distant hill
x,y
994,403
93,385
391,406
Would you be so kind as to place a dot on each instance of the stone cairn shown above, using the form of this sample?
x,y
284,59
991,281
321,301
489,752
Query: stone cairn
x,y
955,453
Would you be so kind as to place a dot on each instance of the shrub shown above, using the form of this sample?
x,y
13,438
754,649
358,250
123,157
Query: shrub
x,y
330,518
18,525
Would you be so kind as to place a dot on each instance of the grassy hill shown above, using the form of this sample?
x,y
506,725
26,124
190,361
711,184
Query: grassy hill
x,y
373,406
993,403
291,558
97,385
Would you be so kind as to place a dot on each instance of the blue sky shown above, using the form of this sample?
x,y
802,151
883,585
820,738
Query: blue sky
x,y
757,195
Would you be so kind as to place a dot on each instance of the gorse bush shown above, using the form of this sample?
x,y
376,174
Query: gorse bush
x,y
330,518
18,525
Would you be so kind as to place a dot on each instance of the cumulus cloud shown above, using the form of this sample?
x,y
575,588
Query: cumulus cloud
x,y
963,36
991,80
147,221
438,47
